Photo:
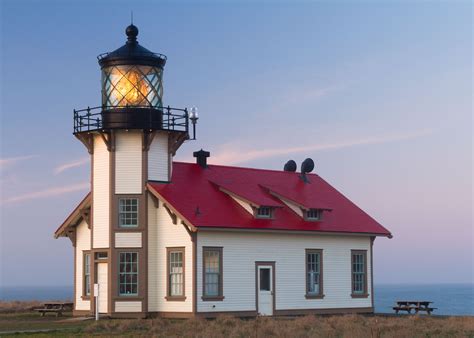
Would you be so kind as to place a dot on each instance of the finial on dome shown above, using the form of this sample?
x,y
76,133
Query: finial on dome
x,y
132,32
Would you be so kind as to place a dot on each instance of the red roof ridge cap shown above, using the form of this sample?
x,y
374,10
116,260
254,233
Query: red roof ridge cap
x,y
246,168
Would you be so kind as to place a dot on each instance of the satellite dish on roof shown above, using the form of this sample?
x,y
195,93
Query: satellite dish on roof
x,y
290,166
307,166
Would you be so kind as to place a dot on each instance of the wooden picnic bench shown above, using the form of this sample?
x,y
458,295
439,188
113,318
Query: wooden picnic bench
x,y
55,307
417,306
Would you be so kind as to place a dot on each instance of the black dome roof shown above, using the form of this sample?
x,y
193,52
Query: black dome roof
x,y
131,53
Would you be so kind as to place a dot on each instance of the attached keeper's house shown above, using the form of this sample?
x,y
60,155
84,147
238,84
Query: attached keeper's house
x,y
188,239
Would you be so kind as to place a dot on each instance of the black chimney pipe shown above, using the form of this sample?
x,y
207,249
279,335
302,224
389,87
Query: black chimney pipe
x,y
201,157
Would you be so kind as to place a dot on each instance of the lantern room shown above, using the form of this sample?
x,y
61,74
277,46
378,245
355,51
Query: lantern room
x,y
132,75
132,87
132,93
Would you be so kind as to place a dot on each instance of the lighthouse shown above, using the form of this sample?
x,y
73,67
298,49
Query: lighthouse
x,y
157,237
131,138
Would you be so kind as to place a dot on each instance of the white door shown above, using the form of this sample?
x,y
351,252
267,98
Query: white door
x,y
102,281
265,289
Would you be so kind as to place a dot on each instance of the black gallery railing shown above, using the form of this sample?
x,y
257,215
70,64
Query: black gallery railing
x,y
96,118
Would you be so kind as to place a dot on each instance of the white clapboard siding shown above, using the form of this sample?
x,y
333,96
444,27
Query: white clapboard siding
x,y
128,162
128,306
158,161
128,239
241,250
83,242
162,233
101,191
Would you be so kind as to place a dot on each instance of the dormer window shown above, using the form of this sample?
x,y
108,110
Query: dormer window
x,y
313,214
264,212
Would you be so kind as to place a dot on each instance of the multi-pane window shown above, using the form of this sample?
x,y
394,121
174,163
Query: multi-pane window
x,y
128,273
264,212
313,214
87,274
212,265
314,272
176,272
138,86
359,272
128,212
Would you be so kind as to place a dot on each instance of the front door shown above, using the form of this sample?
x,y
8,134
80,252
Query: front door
x,y
265,292
102,281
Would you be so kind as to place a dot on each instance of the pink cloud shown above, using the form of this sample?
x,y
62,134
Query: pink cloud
x,y
50,192
66,166
233,153
4,162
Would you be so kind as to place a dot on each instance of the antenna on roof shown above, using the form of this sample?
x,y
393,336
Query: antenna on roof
x,y
131,17
306,167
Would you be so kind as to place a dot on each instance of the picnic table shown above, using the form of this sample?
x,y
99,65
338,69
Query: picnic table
x,y
55,307
417,305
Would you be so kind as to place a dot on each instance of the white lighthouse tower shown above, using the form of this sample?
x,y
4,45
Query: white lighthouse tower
x,y
132,139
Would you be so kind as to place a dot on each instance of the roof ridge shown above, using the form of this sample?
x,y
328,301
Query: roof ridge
x,y
246,168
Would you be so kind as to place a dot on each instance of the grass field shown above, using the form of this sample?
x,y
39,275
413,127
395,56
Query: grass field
x,y
21,318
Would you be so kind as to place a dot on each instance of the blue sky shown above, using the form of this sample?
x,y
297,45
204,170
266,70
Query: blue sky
x,y
379,94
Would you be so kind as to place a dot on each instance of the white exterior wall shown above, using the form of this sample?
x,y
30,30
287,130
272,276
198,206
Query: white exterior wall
x,y
242,250
162,233
128,306
128,239
128,162
100,193
158,158
83,242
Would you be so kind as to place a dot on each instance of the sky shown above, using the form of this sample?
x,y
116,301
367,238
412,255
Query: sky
x,y
378,93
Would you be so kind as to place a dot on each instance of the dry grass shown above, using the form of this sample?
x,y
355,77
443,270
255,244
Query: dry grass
x,y
352,326
17,315
19,306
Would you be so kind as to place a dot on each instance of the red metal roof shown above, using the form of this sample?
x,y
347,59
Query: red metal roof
x,y
248,191
302,196
195,193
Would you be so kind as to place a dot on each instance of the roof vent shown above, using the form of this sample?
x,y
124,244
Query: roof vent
x,y
306,167
290,166
201,157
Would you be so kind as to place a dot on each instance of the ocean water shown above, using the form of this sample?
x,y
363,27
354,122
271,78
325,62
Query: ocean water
x,y
41,293
450,299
